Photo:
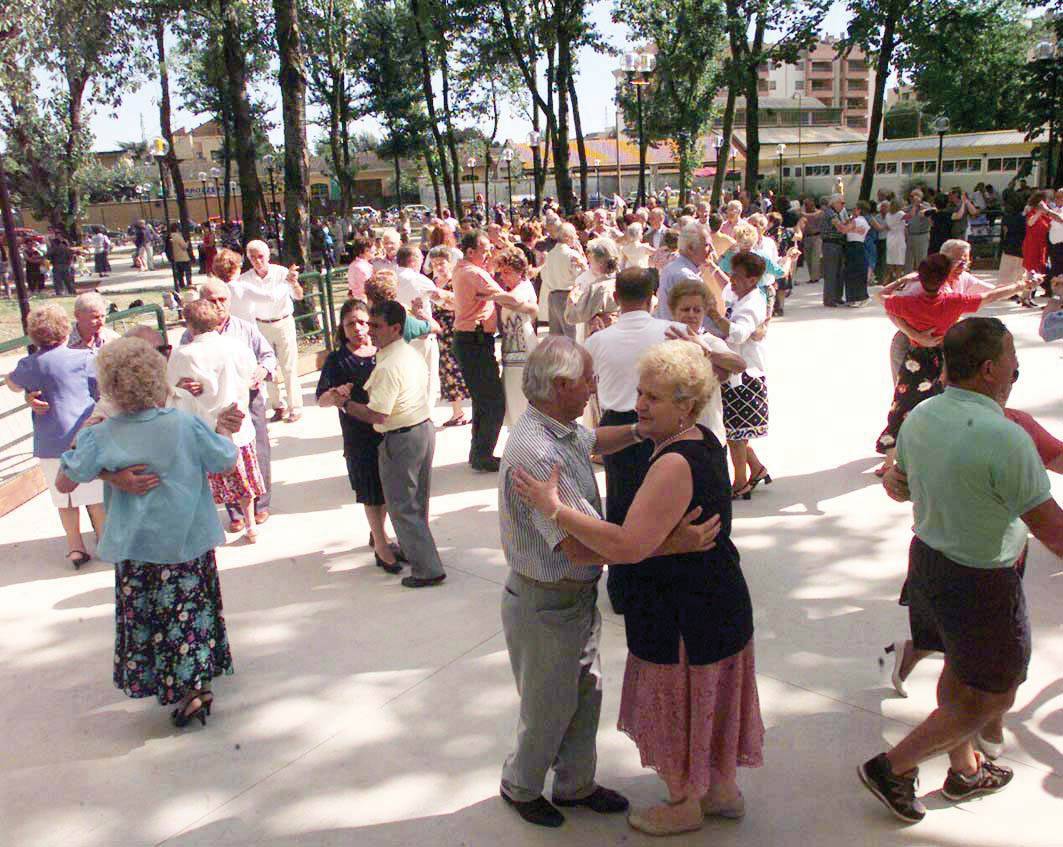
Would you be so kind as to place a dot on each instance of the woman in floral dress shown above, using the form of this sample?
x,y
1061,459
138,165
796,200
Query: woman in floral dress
x,y
170,638
452,383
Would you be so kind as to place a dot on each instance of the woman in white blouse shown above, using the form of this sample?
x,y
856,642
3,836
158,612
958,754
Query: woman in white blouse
x,y
745,394
563,264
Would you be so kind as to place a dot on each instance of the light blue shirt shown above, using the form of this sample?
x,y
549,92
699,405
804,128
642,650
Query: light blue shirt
x,y
678,269
174,522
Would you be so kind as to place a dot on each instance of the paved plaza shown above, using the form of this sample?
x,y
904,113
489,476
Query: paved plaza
x,y
362,713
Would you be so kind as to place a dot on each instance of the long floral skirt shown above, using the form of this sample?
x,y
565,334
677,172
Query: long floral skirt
x,y
694,724
169,629
918,378
451,382
243,482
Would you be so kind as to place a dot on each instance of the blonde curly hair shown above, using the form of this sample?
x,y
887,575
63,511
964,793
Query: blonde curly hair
x,y
682,367
382,286
745,236
132,375
48,325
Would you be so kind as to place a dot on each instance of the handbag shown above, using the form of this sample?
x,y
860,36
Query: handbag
x,y
1051,328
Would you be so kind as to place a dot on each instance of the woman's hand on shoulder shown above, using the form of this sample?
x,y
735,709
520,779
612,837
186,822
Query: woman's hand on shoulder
x,y
542,495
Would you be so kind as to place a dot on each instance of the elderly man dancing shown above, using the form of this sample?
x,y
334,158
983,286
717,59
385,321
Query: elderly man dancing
x,y
549,612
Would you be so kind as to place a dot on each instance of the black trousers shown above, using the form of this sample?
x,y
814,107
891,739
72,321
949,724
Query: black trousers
x,y
624,473
475,352
1055,262
182,275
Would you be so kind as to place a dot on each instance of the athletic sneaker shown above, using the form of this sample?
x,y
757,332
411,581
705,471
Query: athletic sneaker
x,y
897,793
988,779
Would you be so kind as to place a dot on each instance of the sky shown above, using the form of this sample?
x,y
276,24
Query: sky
x,y
595,87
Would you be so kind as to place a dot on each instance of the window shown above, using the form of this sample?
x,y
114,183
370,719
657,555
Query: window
x,y
885,167
215,155
857,84
848,169
855,121
318,191
821,67
817,170
961,166
993,165
799,86
785,172
821,85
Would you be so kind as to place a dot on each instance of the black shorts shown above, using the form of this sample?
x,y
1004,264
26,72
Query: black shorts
x,y
975,616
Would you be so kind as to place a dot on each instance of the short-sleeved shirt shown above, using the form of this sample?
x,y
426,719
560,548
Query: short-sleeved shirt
x,y
473,290
267,298
398,387
530,540
342,367
935,313
358,273
175,521
66,379
972,473
678,269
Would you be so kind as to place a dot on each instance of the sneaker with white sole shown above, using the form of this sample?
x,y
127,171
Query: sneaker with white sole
x,y
988,779
897,793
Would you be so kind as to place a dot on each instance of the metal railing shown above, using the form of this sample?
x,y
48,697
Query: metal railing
x,y
323,291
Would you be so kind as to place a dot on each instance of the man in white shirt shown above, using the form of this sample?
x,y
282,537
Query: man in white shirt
x,y
615,351
416,292
265,296
390,242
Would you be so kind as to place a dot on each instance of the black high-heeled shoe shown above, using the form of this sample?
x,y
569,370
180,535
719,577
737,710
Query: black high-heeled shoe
x,y
181,717
743,493
763,476
388,566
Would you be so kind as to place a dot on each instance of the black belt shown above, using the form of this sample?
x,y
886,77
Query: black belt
x,y
405,428
272,320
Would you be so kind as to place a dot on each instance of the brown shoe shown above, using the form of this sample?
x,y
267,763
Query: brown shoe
x,y
236,525
262,517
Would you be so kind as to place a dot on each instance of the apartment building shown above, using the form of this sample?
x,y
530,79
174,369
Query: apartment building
x,y
840,82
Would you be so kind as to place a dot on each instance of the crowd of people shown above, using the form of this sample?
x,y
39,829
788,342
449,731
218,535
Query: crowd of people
x,y
633,338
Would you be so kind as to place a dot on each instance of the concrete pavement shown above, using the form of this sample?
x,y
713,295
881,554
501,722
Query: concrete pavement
x,y
364,713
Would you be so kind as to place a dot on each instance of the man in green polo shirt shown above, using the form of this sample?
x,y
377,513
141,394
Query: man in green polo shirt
x,y
977,484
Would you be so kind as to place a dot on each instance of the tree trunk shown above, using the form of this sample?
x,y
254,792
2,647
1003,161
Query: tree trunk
x,y
562,177
75,91
243,125
433,174
227,166
171,160
292,79
448,123
683,152
13,249
429,99
335,142
724,151
398,178
749,68
885,58
581,147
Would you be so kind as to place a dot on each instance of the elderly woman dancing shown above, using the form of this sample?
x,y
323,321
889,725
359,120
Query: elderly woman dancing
x,y
61,389
170,638
689,697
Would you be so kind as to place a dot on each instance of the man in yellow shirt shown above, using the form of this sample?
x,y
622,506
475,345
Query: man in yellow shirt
x,y
398,408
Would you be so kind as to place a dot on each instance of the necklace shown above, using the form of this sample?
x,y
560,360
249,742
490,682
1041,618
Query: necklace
x,y
671,440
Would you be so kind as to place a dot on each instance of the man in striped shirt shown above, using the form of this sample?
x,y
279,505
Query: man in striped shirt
x,y
549,605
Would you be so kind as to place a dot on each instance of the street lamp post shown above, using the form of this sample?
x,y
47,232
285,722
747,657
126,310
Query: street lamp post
x,y
717,143
781,151
215,174
800,120
598,179
159,148
941,126
731,170
141,190
533,141
507,157
638,67
470,163
1048,52
203,185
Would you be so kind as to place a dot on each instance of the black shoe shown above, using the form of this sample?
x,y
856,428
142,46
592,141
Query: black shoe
x,y
537,811
393,567
989,779
422,581
490,465
897,793
604,801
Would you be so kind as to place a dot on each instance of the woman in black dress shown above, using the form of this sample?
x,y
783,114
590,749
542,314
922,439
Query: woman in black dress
x,y
940,223
343,377
689,699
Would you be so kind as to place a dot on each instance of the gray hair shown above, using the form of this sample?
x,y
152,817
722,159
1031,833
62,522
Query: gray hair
x,y
834,198
556,357
954,248
90,301
604,251
567,232
213,286
734,206
257,244
634,231
692,235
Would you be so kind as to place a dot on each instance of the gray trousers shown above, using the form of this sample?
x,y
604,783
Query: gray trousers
x,y
833,264
262,449
918,244
552,636
812,245
405,460
555,309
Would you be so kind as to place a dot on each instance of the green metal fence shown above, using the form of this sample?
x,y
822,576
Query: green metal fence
x,y
324,293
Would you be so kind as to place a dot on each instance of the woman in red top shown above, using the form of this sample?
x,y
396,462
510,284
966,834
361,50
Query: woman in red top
x,y
931,312
1039,217
207,250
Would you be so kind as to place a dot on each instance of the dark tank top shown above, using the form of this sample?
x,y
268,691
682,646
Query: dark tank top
x,y
701,598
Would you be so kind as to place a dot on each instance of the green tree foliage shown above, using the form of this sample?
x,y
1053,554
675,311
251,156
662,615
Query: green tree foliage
x,y
680,104
904,120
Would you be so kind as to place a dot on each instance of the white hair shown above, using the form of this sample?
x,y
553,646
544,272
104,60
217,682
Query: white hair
x,y
834,198
213,286
692,235
567,232
556,357
90,301
257,245
605,252
954,248
734,206
390,234
634,231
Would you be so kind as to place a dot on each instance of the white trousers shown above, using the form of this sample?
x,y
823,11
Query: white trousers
x,y
282,336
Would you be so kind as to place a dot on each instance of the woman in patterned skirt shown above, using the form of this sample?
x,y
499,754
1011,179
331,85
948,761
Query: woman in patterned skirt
x,y
161,531
452,383
931,312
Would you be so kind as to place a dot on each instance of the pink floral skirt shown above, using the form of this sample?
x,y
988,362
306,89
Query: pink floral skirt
x,y
243,482
694,724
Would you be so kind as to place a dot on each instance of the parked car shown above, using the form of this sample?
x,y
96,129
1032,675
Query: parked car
x,y
365,212
416,212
